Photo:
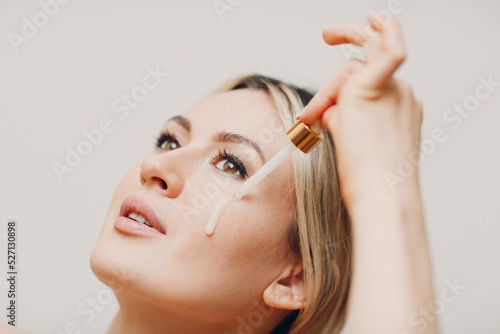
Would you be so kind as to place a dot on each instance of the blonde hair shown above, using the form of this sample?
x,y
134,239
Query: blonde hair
x,y
320,235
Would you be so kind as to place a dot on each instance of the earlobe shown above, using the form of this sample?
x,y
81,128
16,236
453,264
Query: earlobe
x,y
287,291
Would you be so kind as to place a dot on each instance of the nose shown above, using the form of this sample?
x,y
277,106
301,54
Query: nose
x,y
162,172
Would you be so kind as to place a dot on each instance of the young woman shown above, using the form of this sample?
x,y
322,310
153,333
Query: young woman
x,y
324,238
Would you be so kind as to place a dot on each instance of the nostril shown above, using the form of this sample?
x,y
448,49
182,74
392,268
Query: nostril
x,y
160,182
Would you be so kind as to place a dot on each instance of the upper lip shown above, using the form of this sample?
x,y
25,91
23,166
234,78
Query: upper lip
x,y
137,205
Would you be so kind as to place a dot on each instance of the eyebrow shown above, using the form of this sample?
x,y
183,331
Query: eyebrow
x,y
223,136
230,137
182,121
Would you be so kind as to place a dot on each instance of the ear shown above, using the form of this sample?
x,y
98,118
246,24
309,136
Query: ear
x,y
287,291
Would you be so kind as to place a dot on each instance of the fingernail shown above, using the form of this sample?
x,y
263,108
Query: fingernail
x,y
300,113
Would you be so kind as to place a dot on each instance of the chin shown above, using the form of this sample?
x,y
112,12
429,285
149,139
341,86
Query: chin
x,y
109,263
103,264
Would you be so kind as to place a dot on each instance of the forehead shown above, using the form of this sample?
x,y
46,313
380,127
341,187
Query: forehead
x,y
245,111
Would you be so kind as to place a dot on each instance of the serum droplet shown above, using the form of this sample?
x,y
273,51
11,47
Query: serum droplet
x,y
214,219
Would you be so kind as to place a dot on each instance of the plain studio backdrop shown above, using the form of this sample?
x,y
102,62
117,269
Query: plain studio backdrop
x,y
65,65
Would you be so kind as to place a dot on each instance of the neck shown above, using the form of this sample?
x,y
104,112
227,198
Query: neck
x,y
137,317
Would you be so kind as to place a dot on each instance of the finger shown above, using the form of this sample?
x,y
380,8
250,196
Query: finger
x,y
348,33
376,21
328,119
327,95
420,109
372,48
391,52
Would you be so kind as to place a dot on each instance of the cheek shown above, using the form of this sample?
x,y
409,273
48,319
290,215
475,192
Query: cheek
x,y
246,253
247,232
254,229
202,194
252,232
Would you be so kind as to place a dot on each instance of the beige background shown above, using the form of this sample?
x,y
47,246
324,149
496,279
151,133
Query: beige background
x,y
66,77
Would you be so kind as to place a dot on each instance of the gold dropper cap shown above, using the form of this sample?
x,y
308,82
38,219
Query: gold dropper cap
x,y
303,137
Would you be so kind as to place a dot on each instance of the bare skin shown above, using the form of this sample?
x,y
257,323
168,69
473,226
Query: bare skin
x,y
6,329
374,118
245,267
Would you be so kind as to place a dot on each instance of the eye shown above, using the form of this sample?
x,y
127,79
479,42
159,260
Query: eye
x,y
228,167
167,141
230,164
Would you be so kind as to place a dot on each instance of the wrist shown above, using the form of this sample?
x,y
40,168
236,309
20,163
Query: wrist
x,y
376,201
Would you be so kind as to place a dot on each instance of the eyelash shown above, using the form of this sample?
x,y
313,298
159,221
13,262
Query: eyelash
x,y
220,155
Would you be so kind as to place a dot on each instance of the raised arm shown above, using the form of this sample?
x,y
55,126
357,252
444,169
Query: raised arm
x,y
375,121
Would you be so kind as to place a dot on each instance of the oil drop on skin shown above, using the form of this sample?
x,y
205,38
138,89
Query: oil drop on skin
x,y
214,219
302,137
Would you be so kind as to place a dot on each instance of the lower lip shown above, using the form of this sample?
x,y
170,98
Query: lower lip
x,y
131,227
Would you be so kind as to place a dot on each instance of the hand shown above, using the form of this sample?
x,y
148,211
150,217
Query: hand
x,y
373,117
375,120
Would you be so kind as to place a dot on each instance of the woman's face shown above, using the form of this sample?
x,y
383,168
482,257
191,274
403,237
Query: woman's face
x,y
182,182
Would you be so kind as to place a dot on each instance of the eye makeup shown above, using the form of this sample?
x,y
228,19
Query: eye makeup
x,y
233,162
223,160
301,137
161,141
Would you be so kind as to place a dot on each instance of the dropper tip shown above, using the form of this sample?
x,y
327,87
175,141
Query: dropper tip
x,y
237,196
